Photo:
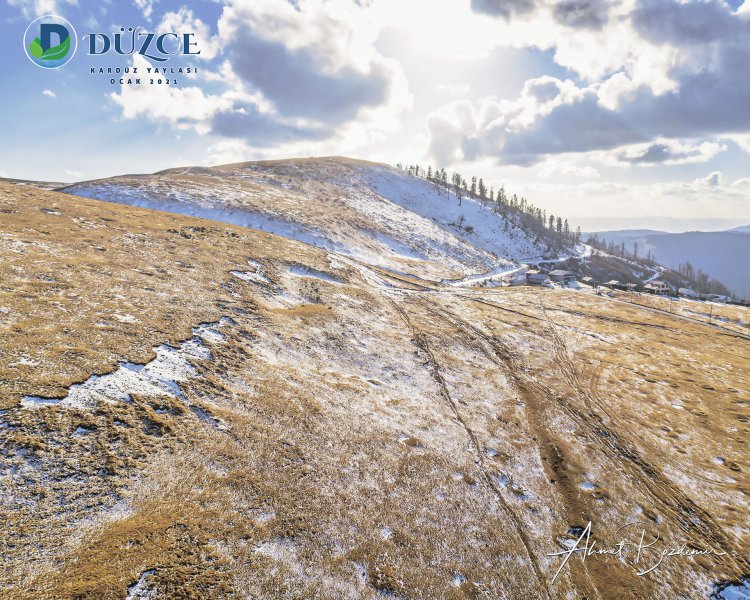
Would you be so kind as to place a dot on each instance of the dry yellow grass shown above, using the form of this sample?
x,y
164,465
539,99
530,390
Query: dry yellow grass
x,y
727,316
367,437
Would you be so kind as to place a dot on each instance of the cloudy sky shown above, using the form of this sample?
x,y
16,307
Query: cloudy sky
x,y
619,113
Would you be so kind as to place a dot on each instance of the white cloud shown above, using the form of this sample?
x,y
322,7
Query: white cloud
x,y
227,152
315,60
650,70
31,9
554,167
182,107
49,93
74,174
742,140
185,21
91,22
704,198
146,7
714,179
664,152
307,71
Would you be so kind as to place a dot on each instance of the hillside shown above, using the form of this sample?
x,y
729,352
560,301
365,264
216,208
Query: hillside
x,y
368,211
720,254
193,408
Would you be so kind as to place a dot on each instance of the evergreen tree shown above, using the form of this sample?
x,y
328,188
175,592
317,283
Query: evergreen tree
x,y
458,187
435,178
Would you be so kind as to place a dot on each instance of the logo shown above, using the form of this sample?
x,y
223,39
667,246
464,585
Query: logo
x,y
155,47
50,42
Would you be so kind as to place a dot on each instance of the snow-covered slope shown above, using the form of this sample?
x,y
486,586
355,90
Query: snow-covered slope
x,y
470,220
372,212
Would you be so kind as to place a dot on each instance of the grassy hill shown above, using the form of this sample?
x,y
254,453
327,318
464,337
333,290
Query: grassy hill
x,y
194,408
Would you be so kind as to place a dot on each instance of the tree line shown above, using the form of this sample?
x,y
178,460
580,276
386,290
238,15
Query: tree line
x,y
694,278
553,229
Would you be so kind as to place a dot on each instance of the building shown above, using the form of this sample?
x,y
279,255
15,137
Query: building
x,y
714,298
562,276
688,293
612,284
537,278
659,287
589,281
514,279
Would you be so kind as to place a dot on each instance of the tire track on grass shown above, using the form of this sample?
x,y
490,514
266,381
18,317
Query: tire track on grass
x,y
420,340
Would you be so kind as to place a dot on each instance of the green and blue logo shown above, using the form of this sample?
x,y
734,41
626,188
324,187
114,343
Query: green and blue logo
x,y
50,41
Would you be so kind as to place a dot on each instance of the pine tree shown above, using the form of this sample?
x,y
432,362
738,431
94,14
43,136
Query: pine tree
x,y
566,228
429,171
552,222
435,178
474,185
482,189
558,226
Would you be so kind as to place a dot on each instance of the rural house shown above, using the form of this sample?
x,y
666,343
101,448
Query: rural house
x,y
562,276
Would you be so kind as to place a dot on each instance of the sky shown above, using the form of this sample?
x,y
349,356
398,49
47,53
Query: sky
x,y
614,114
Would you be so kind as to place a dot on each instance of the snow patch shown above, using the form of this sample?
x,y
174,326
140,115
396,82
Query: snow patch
x,y
733,590
160,377
141,590
250,276
303,271
198,203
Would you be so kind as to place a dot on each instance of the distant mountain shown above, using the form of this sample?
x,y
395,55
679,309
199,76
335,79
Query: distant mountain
x,y
44,185
625,235
668,224
722,255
